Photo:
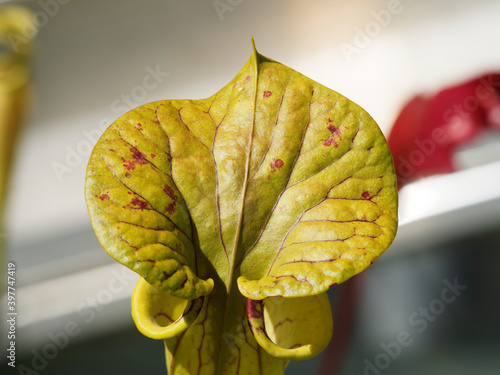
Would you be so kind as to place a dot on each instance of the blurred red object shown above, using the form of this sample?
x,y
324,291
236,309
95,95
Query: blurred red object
x,y
428,129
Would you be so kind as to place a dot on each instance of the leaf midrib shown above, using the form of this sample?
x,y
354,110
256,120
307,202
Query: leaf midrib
x,y
230,281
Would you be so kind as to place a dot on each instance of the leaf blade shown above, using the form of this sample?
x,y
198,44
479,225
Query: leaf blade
x,y
136,210
340,144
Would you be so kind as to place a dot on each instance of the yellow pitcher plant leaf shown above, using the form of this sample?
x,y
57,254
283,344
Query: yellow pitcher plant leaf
x,y
239,211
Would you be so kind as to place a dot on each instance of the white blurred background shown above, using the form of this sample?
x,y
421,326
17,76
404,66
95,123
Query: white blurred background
x,y
91,63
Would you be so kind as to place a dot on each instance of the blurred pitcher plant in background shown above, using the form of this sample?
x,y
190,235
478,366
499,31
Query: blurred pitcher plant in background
x,y
16,45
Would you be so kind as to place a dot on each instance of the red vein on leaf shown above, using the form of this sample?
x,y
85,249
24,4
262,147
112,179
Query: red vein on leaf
x,y
309,261
246,331
210,106
284,240
141,134
139,248
163,314
369,199
332,162
299,220
174,351
216,176
217,196
150,205
287,181
202,323
289,231
188,129
246,178
147,160
304,280
179,192
283,322
124,240
331,240
272,134
244,190
142,226
344,221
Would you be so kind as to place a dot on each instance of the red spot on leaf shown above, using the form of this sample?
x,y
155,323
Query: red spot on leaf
x,y
334,138
267,94
129,164
276,164
138,156
104,196
118,227
366,194
170,192
328,142
331,127
153,156
141,204
127,175
248,78
170,208
139,126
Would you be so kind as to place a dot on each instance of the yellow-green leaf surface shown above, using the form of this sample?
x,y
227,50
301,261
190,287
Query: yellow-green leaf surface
x,y
239,211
